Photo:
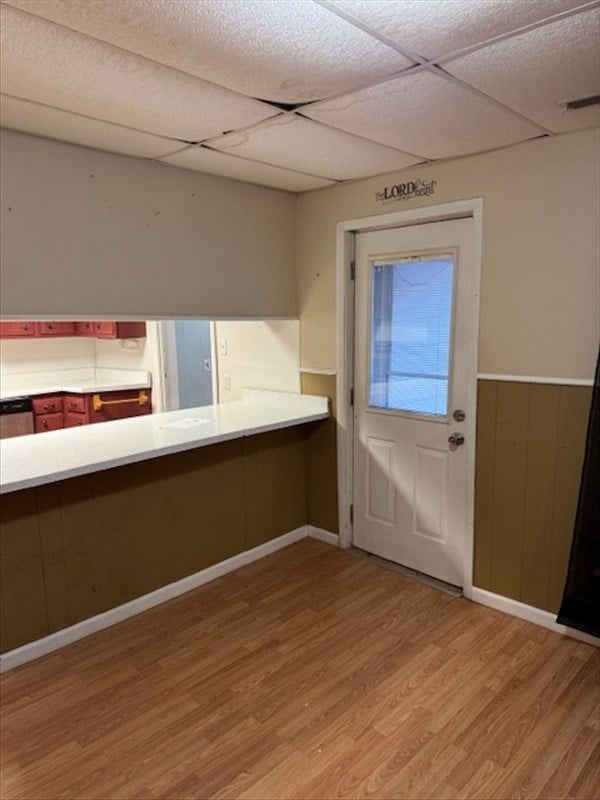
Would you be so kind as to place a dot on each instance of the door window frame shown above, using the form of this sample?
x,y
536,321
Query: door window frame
x,y
346,231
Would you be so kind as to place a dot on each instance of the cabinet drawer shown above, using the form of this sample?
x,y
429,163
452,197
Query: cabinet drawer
x,y
47,405
76,403
48,422
56,328
84,328
16,329
72,420
106,330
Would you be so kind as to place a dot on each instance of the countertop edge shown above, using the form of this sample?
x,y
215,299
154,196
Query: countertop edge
x,y
171,449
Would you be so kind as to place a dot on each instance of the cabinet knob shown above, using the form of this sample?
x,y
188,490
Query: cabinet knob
x,y
25,327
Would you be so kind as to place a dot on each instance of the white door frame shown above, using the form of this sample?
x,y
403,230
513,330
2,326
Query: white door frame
x,y
345,244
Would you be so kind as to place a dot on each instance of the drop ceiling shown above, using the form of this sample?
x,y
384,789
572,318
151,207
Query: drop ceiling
x,y
298,94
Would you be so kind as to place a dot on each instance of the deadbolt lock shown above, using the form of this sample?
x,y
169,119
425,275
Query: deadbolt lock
x,y
456,439
459,415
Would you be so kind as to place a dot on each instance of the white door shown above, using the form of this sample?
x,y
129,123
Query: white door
x,y
415,351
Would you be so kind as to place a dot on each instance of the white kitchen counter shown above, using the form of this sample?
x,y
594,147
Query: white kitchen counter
x,y
73,381
27,461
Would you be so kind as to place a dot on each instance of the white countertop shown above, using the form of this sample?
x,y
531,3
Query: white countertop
x,y
27,461
74,381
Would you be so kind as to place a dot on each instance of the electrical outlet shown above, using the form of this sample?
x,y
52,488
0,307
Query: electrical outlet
x,y
223,347
226,382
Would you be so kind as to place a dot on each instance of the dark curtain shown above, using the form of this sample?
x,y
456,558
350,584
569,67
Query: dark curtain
x,y
580,606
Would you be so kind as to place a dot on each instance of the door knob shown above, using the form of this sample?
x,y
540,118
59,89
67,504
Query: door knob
x,y
456,439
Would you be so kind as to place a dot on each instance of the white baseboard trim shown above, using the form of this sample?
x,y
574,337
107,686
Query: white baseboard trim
x,y
529,613
41,647
323,535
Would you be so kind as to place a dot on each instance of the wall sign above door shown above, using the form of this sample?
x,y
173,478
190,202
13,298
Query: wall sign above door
x,y
406,191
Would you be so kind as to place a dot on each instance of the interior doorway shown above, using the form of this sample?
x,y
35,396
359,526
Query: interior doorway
x,y
188,361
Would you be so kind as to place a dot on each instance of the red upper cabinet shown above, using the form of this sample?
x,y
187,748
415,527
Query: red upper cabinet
x,y
119,330
17,330
57,328
84,328
98,329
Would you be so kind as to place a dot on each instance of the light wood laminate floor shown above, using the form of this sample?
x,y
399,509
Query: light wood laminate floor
x,y
309,674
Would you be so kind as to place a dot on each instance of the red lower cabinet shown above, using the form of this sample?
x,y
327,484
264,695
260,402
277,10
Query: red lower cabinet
x,y
83,409
48,422
72,420
47,412
105,406
71,410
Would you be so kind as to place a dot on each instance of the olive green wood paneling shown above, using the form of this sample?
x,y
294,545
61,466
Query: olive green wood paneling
x,y
574,410
484,483
24,615
321,454
79,547
530,448
280,466
510,470
542,441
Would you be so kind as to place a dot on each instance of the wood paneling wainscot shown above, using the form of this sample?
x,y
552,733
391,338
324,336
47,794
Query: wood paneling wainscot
x,y
321,456
75,548
530,448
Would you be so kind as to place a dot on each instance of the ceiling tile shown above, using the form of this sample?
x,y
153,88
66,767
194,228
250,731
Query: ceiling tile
x,y
21,115
537,71
50,64
432,28
424,113
295,143
205,160
288,51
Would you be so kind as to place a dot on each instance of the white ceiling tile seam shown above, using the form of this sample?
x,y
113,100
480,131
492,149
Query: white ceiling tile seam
x,y
443,73
570,12
346,15
325,4
370,85
137,55
265,163
423,159
424,60
166,61
428,66
297,113
173,152
93,119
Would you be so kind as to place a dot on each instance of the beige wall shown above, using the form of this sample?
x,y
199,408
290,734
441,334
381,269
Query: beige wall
x,y
86,233
22,356
260,355
540,293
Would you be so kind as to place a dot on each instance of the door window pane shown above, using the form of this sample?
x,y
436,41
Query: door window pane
x,y
411,315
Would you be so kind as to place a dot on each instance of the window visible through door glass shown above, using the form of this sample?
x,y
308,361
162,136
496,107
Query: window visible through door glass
x,y
411,316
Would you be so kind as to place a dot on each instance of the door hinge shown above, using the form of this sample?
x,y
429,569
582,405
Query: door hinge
x,y
352,270
351,514
352,397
